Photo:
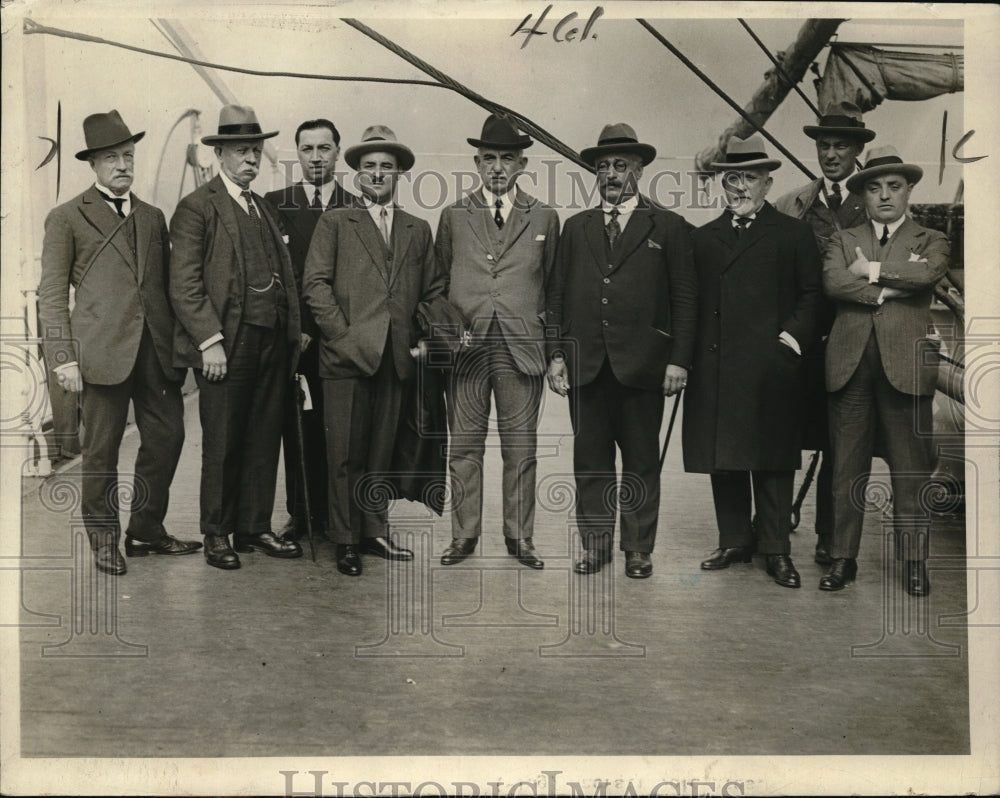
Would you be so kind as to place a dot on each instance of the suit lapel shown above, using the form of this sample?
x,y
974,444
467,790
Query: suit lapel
x,y
143,239
636,231
754,233
517,222
224,206
906,240
402,235
100,216
479,220
594,231
370,237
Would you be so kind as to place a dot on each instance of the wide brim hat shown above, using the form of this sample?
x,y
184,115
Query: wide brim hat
x,y
238,123
618,138
883,161
102,131
842,119
748,153
499,133
379,138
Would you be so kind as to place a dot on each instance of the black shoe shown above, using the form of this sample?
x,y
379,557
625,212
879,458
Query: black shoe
x,y
723,558
290,530
219,554
458,550
822,556
842,572
109,560
165,545
915,578
348,559
780,567
592,561
524,551
269,543
386,549
638,565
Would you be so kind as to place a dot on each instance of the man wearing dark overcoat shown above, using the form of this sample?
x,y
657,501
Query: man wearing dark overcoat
x,y
299,206
233,290
624,301
497,246
881,366
115,346
367,270
759,283
840,136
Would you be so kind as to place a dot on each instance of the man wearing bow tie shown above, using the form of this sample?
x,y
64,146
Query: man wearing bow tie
x,y
759,285
115,347
624,298
299,206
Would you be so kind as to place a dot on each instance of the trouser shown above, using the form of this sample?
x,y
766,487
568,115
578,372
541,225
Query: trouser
x,y
866,408
772,496
159,416
605,413
241,419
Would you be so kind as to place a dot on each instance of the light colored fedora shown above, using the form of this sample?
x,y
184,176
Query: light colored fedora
x,y
748,153
884,161
379,138
237,123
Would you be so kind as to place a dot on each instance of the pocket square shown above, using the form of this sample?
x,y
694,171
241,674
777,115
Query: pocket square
x,y
652,244
915,257
540,237
284,239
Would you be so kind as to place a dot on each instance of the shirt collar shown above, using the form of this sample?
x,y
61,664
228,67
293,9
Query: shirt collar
x,y
489,198
234,190
375,210
325,190
624,208
127,196
893,227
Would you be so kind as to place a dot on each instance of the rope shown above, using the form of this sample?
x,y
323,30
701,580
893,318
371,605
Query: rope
x,y
781,70
708,82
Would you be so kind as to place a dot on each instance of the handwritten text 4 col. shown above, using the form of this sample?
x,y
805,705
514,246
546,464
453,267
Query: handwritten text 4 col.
x,y
559,34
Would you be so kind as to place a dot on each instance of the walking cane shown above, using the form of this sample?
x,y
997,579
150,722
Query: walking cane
x,y
670,428
806,482
300,438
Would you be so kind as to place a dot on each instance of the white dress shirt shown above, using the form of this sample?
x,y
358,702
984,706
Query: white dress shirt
x,y
325,190
624,210
507,200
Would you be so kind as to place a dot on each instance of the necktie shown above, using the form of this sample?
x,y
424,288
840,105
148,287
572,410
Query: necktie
x,y
496,216
317,202
835,197
612,228
885,235
741,223
383,224
119,203
254,216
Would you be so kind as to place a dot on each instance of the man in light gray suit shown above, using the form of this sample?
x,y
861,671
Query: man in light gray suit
x,y
497,245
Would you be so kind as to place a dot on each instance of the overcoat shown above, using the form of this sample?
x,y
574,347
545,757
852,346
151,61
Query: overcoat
x,y
742,406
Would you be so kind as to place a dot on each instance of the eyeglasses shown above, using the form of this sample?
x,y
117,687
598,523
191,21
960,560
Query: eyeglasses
x,y
619,165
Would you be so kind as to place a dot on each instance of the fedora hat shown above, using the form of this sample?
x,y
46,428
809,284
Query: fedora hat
x,y
499,133
884,161
843,119
101,131
237,123
618,137
748,153
379,138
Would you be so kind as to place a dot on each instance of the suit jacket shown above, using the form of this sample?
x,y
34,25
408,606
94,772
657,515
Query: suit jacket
x,y
636,307
208,271
504,272
359,291
803,203
298,220
116,292
743,408
914,259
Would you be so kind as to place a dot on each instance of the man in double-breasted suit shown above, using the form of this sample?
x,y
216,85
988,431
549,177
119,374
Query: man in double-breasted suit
x,y
840,136
366,271
115,347
233,289
759,283
624,298
299,206
497,245
881,367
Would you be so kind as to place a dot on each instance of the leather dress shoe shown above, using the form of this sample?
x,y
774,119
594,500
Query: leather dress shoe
x,y
723,558
592,561
219,554
458,550
165,545
386,549
109,560
779,566
916,581
524,551
822,556
842,572
348,560
269,543
638,564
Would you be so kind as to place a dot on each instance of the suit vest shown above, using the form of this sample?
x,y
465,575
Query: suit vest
x,y
264,303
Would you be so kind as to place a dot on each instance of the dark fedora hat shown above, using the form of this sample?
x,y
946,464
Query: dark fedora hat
x,y
379,138
237,123
748,153
101,131
618,137
499,133
843,119
884,161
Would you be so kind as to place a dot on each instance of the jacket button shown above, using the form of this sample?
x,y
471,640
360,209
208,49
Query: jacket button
x,y
713,347
716,312
494,275
489,257
389,295
604,300
606,280
605,322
